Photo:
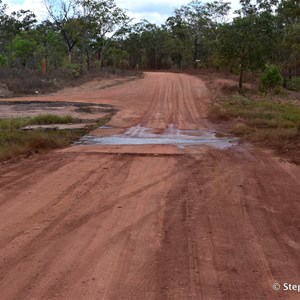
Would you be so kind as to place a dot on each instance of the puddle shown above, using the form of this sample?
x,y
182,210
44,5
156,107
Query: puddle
x,y
139,135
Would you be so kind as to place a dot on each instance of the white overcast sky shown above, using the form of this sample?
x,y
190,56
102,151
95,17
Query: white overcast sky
x,y
155,11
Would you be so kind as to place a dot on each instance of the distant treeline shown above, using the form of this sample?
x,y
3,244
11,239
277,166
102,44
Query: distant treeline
x,y
84,35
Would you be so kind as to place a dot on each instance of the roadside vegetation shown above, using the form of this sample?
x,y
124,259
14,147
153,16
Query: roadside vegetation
x,y
80,38
275,124
15,142
44,119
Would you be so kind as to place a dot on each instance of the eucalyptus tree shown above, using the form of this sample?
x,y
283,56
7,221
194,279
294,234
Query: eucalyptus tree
x,y
22,49
133,44
194,17
289,14
202,20
50,45
103,21
64,14
89,25
180,43
3,21
252,38
145,44
15,31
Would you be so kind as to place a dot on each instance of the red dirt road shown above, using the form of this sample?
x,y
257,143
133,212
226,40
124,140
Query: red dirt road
x,y
149,221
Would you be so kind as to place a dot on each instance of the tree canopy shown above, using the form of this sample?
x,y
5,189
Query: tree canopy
x,y
90,34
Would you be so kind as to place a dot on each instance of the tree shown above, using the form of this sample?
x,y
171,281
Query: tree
x,y
202,21
50,45
3,20
251,39
289,55
180,43
64,14
13,24
146,45
104,21
22,47
88,24
193,15
133,44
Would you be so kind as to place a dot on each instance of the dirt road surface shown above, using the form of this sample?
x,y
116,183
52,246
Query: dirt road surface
x,y
161,222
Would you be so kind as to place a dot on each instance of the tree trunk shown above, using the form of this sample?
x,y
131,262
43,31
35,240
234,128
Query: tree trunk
x,y
241,77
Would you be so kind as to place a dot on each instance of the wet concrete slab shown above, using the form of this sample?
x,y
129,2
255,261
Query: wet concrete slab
x,y
140,135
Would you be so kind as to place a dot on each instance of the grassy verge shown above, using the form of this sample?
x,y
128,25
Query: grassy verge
x,y
273,124
14,142
17,123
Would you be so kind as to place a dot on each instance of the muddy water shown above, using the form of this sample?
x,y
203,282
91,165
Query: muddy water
x,y
139,135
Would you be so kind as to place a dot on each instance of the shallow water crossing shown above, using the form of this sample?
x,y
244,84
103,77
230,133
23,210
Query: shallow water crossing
x,y
139,135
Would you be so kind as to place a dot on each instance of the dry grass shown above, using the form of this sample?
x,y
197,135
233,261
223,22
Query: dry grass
x,y
30,82
269,123
14,142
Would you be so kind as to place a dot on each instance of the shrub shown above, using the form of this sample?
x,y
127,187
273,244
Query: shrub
x,y
3,60
271,79
294,84
74,70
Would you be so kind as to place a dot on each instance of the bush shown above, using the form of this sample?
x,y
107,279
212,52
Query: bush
x,y
3,60
294,84
271,79
74,70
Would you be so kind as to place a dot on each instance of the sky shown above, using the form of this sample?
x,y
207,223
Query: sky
x,y
155,11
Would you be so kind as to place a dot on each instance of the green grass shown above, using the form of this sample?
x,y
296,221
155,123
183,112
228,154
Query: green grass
x,y
270,123
14,142
46,119
283,114
13,124
52,119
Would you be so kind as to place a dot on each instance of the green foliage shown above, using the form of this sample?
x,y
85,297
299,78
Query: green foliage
x,y
117,58
294,84
248,42
3,60
271,78
74,70
22,47
92,33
